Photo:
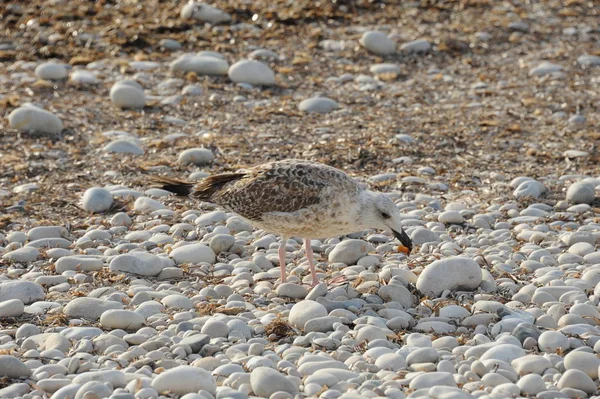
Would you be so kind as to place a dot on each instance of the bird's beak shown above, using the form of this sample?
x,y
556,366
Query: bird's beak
x,y
404,239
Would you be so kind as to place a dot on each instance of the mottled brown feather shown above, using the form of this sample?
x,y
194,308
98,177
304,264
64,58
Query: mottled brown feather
x,y
283,186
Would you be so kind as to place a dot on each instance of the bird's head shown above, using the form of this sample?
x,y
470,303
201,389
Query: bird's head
x,y
379,212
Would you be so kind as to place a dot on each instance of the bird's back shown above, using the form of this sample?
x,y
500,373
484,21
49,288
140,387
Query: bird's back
x,y
283,186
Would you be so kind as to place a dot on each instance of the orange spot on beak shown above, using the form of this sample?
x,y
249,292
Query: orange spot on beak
x,y
403,249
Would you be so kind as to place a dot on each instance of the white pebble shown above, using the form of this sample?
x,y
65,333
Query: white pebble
x,y
96,199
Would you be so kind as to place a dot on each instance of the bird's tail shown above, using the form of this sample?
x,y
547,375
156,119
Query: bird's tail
x,y
207,187
179,187
201,191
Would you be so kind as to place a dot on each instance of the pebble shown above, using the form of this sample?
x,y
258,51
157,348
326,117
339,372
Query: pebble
x,y
82,77
350,251
203,12
577,379
121,319
51,71
24,255
193,253
196,156
291,290
12,308
416,46
128,94
266,381
182,380
580,193
124,146
252,72
588,60
201,65
458,273
545,68
96,200
451,217
11,367
89,308
304,311
32,119
321,105
378,43
583,361
138,263
25,291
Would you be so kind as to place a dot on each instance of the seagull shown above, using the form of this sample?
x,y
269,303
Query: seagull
x,y
297,198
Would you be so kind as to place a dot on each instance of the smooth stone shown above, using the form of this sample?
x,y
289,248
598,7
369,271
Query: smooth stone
x,y
40,232
435,378
384,69
221,243
457,273
11,367
421,235
577,379
115,377
128,94
193,253
451,217
196,156
391,361
29,118
266,381
203,12
350,251
416,46
580,193
529,188
196,341
545,68
588,60
252,72
124,146
181,380
551,341
200,65
121,319
304,311
12,308
396,293
535,364
583,361
504,352
89,308
140,263
78,263
82,77
24,255
291,290
51,71
96,199
321,105
378,43
25,291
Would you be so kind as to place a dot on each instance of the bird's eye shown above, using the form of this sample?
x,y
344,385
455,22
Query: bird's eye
x,y
385,215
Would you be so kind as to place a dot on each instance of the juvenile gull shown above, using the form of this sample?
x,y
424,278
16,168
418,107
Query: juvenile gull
x,y
297,198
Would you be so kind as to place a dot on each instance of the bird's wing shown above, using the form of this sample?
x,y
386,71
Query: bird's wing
x,y
282,187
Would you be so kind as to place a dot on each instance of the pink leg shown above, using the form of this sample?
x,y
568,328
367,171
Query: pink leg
x,y
282,263
311,262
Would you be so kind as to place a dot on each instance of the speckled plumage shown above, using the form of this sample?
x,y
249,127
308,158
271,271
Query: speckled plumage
x,y
292,197
297,198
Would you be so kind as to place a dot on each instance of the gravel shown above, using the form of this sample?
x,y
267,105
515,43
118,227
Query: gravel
x,y
484,138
